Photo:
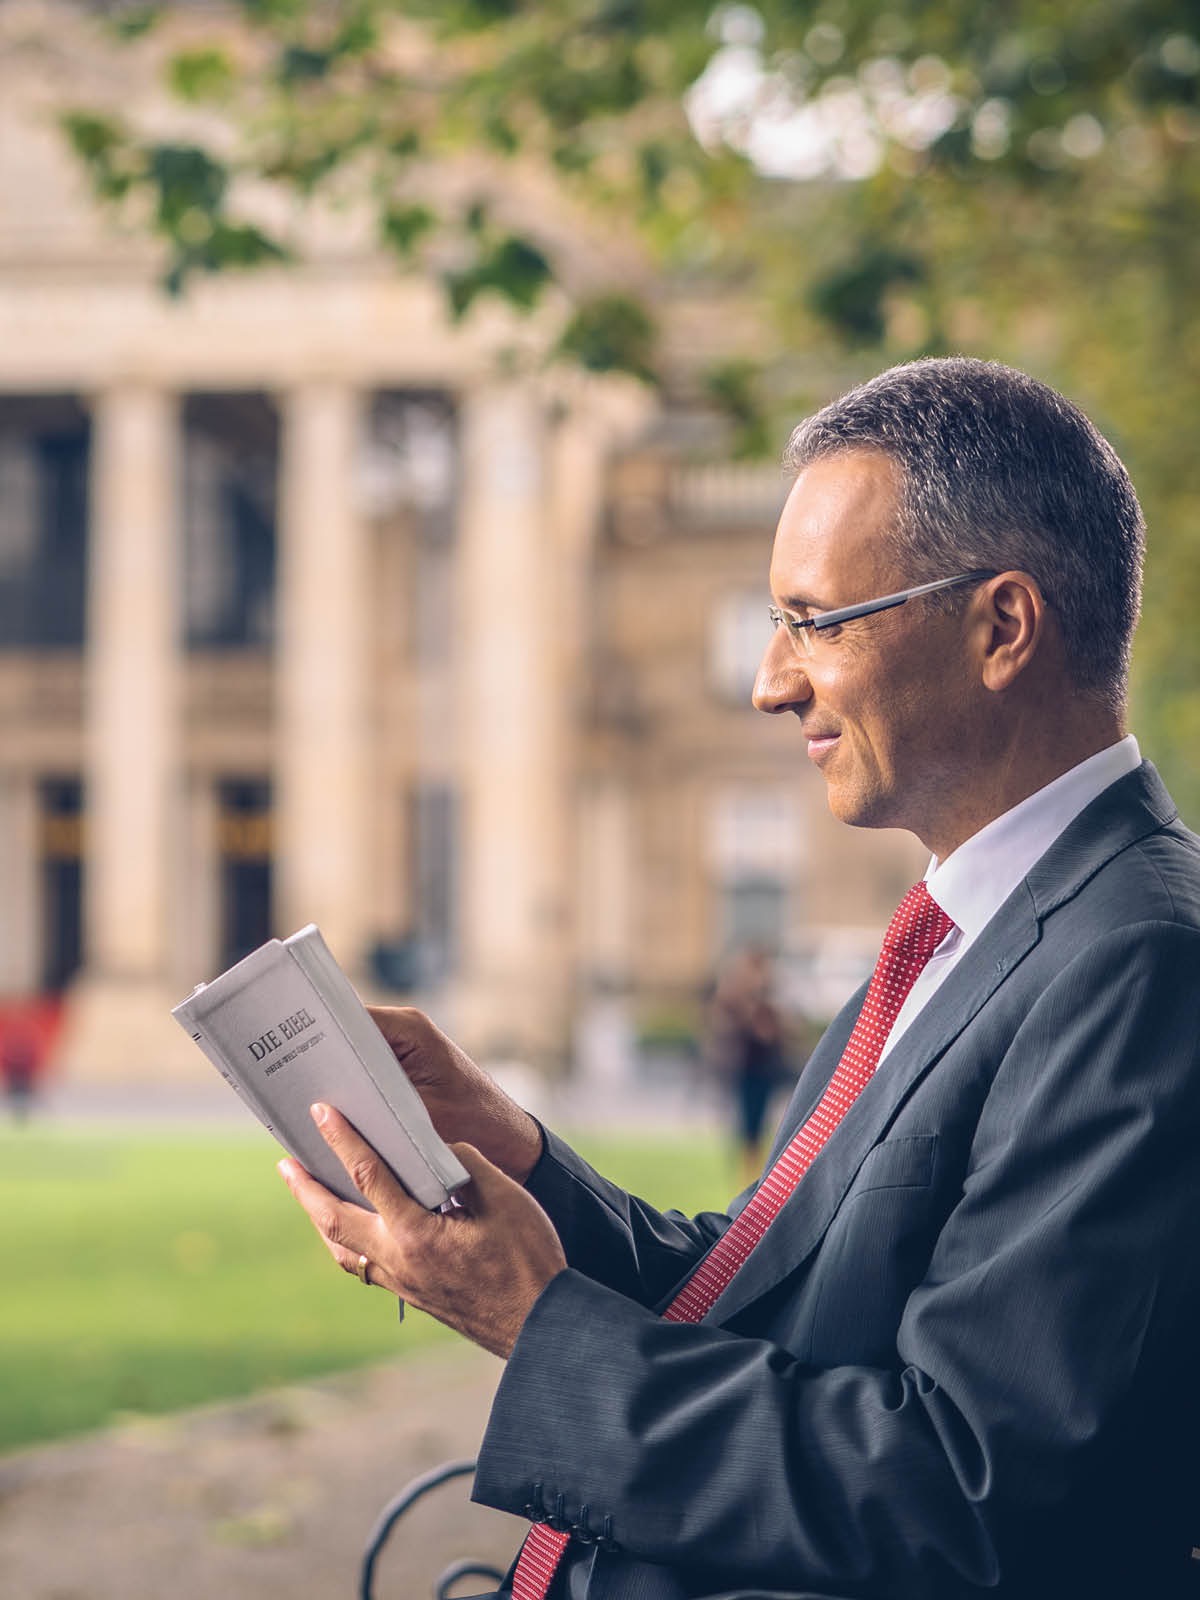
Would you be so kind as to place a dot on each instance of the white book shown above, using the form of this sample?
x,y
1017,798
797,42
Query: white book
x,y
285,1028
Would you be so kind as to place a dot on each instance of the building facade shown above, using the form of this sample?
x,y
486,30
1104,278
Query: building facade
x,y
317,607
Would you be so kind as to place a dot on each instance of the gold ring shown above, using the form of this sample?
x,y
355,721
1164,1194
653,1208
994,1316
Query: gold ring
x,y
362,1267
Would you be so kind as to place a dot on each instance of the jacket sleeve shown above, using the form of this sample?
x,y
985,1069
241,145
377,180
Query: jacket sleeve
x,y
1055,1285
611,1236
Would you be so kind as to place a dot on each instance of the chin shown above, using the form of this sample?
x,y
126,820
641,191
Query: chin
x,y
858,810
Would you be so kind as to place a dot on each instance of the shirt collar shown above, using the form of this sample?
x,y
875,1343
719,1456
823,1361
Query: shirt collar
x,y
974,882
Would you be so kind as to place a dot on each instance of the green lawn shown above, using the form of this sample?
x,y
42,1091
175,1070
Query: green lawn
x,y
145,1272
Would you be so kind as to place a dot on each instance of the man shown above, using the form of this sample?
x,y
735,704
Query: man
x,y
946,1348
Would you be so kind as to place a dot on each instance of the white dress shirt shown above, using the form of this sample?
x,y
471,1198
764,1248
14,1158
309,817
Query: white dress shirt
x,y
974,882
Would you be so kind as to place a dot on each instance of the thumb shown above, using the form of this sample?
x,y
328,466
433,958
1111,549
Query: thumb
x,y
405,1028
485,1178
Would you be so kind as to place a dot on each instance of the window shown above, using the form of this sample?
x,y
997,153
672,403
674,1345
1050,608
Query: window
x,y
60,811
409,461
44,445
752,912
408,475
739,633
230,470
244,853
754,852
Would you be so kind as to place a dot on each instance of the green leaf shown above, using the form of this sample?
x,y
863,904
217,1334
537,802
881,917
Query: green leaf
x,y
198,75
519,271
403,227
224,247
851,297
93,138
734,388
405,143
620,16
500,133
469,16
189,181
512,267
654,167
130,22
570,97
611,333
242,245
461,289
571,155
359,33
299,64
274,13
112,185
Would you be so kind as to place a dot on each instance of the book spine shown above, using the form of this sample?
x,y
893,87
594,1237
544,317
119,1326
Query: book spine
x,y
318,964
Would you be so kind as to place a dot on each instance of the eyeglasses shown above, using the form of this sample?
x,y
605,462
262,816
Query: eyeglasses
x,y
803,630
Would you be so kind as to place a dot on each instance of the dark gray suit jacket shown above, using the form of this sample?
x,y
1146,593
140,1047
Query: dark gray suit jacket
x,y
963,1360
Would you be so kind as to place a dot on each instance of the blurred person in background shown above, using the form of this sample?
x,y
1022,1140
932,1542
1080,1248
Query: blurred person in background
x,y
746,1049
945,1348
20,1051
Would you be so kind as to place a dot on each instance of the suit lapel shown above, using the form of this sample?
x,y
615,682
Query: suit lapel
x,y
808,1212
1129,810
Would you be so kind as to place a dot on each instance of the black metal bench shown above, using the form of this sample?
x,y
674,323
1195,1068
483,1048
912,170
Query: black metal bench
x,y
468,1567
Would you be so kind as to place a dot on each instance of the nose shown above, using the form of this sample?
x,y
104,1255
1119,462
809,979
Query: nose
x,y
782,683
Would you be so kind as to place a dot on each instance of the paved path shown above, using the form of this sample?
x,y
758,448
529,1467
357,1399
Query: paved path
x,y
271,1496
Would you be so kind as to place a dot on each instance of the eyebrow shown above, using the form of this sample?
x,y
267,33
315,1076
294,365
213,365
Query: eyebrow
x,y
796,602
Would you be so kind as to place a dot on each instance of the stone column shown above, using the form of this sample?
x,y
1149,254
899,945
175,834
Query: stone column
x,y
20,930
510,695
119,1025
322,759
605,1055
132,680
597,836
606,885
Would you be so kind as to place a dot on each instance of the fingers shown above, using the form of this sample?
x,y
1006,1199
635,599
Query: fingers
x,y
484,1176
479,1270
366,1171
345,1229
404,1027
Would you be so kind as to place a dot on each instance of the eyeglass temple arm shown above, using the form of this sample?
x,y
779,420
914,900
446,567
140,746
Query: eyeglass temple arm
x,y
830,619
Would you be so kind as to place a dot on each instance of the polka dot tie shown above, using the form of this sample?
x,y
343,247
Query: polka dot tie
x,y
913,935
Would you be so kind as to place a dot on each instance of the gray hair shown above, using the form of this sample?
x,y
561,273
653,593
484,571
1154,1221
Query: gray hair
x,y
1001,472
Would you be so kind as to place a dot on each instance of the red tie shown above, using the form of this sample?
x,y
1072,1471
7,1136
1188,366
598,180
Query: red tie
x,y
914,933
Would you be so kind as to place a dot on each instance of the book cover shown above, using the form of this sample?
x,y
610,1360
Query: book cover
x,y
285,1028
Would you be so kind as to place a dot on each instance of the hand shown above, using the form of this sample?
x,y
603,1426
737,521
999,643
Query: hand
x,y
462,1100
478,1268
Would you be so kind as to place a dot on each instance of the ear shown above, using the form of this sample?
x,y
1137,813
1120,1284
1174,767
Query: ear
x,y
1012,621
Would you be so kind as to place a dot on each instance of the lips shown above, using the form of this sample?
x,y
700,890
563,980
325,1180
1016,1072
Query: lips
x,y
819,744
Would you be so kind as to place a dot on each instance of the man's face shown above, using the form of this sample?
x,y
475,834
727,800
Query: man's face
x,y
885,701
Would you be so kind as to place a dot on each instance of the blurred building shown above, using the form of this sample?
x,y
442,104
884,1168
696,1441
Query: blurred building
x,y
309,613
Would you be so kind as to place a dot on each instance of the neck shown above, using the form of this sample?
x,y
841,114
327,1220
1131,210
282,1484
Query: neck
x,y
1032,754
